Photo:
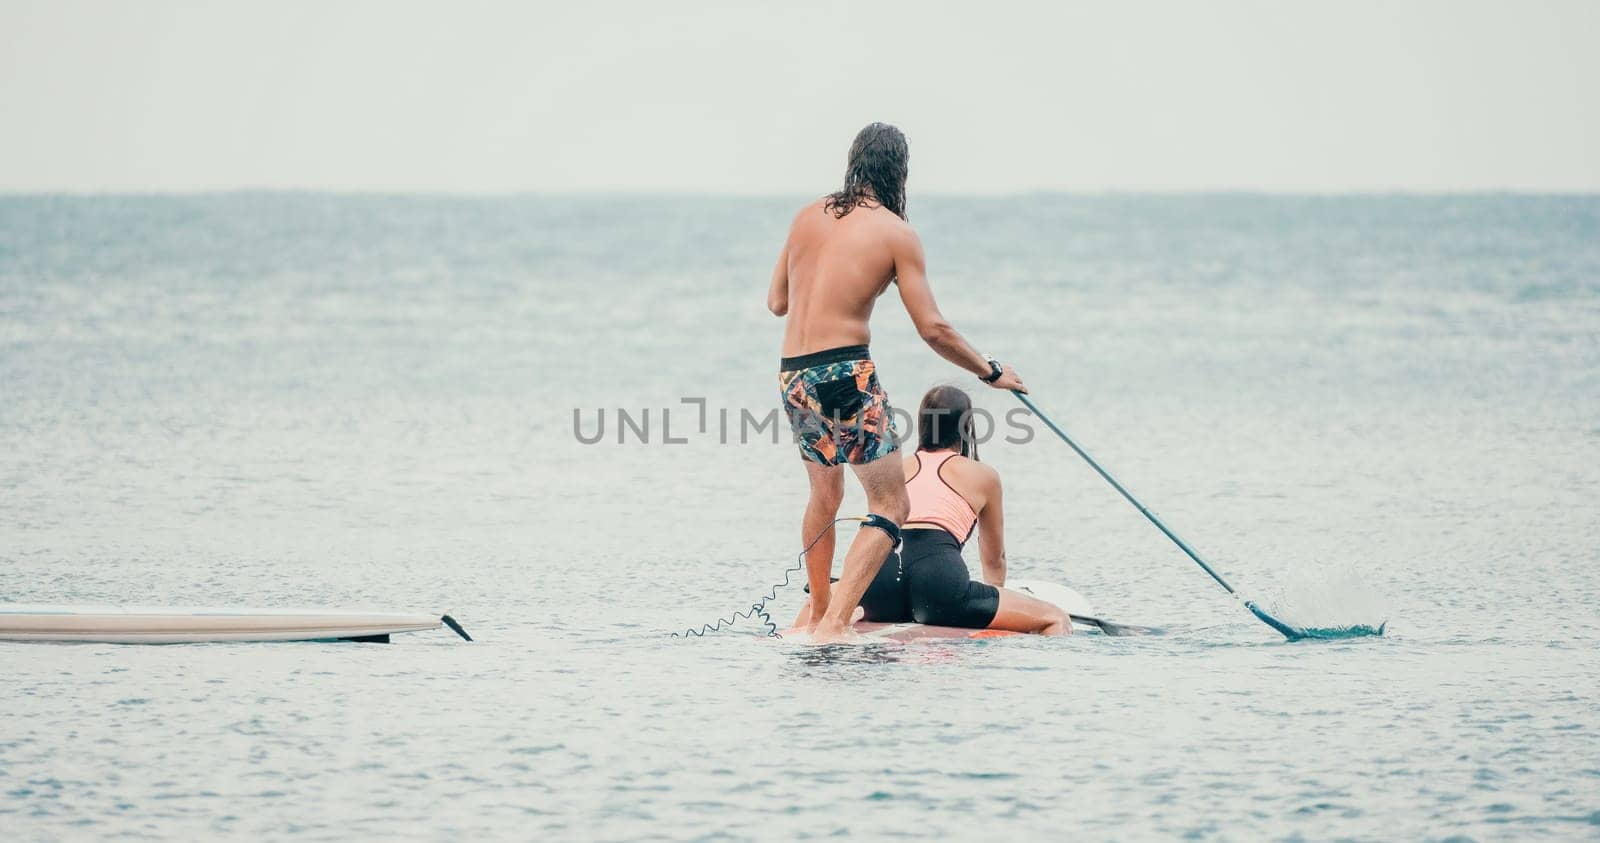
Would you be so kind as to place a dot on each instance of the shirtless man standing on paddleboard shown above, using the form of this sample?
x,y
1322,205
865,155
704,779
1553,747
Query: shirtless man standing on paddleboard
x,y
842,253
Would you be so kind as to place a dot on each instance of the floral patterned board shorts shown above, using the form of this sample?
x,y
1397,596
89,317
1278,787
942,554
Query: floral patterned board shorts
x,y
837,409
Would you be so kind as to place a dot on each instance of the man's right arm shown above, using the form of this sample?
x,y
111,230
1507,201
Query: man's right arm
x,y
911,275
778,290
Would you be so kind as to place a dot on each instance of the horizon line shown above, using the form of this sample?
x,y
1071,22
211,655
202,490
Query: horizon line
x,y
608,193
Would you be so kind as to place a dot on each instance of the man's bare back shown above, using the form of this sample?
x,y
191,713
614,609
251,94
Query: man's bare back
x,y
834,268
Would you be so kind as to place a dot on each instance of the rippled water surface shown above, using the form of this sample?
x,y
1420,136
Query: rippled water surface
x,y
311,400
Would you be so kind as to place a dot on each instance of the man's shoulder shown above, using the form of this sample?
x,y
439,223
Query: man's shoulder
x,y
811,207
889,224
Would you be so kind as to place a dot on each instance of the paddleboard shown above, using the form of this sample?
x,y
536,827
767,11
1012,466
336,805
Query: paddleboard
x,y
1067,598
170,625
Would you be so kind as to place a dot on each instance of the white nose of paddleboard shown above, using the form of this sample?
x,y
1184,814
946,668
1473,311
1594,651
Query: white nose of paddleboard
x,y
1063,597
170,625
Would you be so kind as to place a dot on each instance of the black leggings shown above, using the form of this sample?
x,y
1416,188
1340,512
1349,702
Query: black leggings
x,y
927,582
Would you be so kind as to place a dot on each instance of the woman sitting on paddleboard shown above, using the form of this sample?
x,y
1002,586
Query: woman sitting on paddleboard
x,y
952,495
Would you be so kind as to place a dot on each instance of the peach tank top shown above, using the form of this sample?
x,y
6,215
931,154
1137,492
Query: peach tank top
x,y
933,501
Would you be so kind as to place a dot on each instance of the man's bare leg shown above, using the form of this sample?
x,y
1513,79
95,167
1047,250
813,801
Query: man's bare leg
x,y
827,491
884,481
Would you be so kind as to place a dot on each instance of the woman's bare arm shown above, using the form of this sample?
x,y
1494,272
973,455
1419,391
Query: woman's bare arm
x,y
992,534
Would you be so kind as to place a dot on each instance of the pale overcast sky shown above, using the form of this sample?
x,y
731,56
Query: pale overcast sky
x,y
763,97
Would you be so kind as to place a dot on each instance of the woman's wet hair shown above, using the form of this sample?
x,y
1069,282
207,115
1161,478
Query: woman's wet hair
x,y
944,421
879,161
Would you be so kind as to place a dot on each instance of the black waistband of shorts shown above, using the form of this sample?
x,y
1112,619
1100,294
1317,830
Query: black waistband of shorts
x,y
924,539
823,358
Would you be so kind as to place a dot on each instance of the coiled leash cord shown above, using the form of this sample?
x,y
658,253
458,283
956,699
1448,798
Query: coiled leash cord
x,y
759,608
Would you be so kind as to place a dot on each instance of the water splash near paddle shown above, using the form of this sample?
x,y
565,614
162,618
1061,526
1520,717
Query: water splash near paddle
x,y
1328,601
1292,627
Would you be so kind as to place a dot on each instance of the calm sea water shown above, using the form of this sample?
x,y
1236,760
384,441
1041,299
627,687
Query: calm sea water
x,y
286,400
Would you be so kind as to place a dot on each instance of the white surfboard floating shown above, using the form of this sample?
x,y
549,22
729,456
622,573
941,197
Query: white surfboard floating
x,y
170,625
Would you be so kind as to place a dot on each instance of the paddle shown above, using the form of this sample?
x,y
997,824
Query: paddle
x,y
1290,631
1110,628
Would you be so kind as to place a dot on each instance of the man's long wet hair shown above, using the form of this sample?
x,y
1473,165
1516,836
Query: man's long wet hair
x,y
944,421
879,160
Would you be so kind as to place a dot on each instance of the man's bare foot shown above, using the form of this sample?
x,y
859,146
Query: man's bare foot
x,y
816,617
830,631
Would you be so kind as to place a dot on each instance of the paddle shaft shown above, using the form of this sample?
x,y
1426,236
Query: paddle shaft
x,y
1182,545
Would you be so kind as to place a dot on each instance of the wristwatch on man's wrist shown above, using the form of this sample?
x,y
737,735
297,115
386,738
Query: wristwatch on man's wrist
x,y
994,371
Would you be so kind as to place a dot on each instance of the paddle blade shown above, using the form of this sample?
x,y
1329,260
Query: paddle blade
x,y
1301,633
1117,629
